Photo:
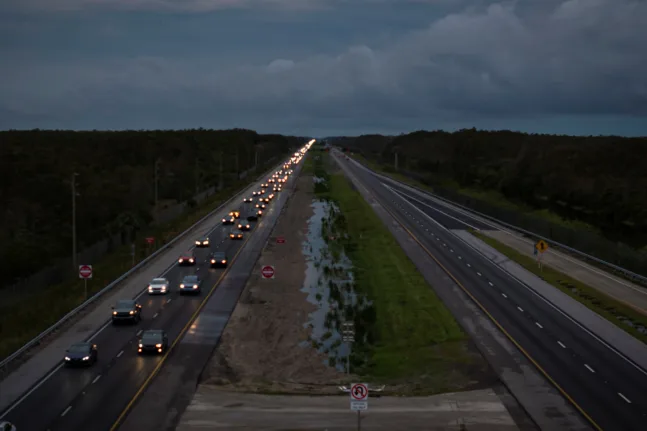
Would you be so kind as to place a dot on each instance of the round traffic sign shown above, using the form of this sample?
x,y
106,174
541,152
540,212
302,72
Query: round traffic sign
x,y
268,271
85,271
359,392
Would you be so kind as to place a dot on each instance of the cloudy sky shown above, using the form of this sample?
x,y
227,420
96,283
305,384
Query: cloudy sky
x,y
325,67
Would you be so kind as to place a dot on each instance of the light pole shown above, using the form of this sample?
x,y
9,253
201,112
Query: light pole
x,y
74,195
157,163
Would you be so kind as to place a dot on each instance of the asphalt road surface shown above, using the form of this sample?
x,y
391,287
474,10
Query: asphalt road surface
x,y
94,397
607,387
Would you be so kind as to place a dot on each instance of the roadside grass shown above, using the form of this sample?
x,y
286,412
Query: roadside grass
x,y
618,313
32,313
418,341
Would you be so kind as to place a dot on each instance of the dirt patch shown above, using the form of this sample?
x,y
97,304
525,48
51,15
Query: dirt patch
x,y
266,345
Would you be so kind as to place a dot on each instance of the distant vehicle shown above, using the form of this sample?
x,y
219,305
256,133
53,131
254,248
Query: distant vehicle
x,y
236,234
276,189
153,341
229,220
158,285
256,193
7,426
248,200
218,259
262,192
244,225
202,242
81,354
234,213
252,215
259,213
260,205
265,200
271,180
264,185
190,283
126,310
271,196
187,258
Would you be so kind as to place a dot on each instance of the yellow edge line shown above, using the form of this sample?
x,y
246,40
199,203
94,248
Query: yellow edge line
x,y
498,325
147,382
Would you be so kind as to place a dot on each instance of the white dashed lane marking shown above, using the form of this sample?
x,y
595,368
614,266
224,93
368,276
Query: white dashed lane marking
x,y
624,398
589,368
539,325
66,411
96,379
561,344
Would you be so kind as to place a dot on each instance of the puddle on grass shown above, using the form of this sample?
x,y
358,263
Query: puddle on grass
x,y
329,285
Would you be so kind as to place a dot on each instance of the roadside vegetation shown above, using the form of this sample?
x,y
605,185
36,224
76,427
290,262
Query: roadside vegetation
x,y
406,338
586,192
618,313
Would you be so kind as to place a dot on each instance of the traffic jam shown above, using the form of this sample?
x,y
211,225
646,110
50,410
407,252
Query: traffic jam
x,y
126,310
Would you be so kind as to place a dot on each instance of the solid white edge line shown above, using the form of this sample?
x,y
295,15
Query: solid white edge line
x,y
120,353
96,379
588,367
531,290
561,344
624,398
66,411
520,309
539,325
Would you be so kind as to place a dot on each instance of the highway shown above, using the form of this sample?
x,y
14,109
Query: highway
x,y
607,388
93,398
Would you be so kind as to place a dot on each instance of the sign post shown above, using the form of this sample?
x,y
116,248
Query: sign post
x,y
359,401
85,272
348,336
267,271
541,246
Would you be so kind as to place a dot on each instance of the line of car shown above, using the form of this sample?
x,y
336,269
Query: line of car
x,y
130,311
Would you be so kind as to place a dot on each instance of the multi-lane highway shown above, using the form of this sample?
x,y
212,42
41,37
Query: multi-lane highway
x,y
607,387
93,398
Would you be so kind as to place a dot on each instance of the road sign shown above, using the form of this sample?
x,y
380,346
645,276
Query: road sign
x,y
359,392
280,240
268,271
541,246
150,240
358,406
85,271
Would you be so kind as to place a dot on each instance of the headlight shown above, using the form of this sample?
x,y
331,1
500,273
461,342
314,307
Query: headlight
x,y
132,311
114,313
195,286
213,261
141,345
158,345
180,260
86,358
67,358
224,261
197,243
224,220
181,286
191,260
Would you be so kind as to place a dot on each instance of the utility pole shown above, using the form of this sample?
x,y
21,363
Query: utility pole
x,y
197,177
256,159
157,163
396,161
237,165
221,184
74,195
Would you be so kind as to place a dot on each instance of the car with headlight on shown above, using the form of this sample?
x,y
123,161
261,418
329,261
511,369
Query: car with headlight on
x,y
236,234
234,213
229,220
265,200
260,205
202,242
264,186
248,199
218,259
187,258
159,286
259,213
271,180
127,310
244,225
152,341
256,193
190,284
83,354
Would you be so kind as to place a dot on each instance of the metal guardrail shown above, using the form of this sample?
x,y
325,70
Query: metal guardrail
x,y
34,341
629,274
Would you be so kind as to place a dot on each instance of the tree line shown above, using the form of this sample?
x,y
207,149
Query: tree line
x,y
114,176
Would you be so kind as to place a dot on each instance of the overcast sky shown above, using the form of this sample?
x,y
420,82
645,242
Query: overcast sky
x,y
325,67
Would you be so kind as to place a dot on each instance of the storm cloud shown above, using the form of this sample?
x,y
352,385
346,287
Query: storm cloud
x,y
475,63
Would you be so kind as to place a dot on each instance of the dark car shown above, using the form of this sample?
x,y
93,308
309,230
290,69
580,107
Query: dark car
x,y
153,341
259,213
190,284
126,310
248,200
236,234
218,259
81,354
234,213
229,220
244,225
187,258
260,206
202,242
252,215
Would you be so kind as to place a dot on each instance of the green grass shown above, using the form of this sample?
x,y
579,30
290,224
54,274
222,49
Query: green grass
x,y
418,340
396,176
604,305
32,313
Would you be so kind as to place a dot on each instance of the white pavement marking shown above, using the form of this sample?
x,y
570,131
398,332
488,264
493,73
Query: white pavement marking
x,y
479,274
460,257
520,309
490,283
561,344
66,411
589,368
468,265
624,398
96,379
539,325
139,332
155,315
120,353
169,300
504,295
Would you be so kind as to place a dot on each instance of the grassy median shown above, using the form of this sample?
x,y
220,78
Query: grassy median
x,y
30,314
418,343
621,315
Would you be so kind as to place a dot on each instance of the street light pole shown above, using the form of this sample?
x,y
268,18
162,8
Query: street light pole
x,y
74,256
156,181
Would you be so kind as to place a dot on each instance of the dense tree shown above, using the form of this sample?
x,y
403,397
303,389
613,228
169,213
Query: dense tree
x,y
115,183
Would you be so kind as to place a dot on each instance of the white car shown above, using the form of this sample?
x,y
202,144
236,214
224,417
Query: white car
x,y
158,285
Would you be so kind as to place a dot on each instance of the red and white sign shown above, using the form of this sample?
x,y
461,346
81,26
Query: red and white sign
x,y
280,240
359,392
150,240
268,271
85,271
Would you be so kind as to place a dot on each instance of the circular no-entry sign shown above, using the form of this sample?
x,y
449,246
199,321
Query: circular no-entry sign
x,y
359,392
85,271
268,271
